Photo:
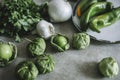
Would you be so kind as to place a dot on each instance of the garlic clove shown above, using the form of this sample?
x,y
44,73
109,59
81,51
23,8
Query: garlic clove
x,y
45,29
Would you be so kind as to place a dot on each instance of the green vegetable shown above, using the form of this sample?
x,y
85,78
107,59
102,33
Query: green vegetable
x,y
108,67
37,47
19,17
85,4
8,52
104,20
81,40
82,7
60,42
94,10
45,63
5,51
26,70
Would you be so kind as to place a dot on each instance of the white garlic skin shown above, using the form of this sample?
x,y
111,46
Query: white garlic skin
x,y
45,29
59,10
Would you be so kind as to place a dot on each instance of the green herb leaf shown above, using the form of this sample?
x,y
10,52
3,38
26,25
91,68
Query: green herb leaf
x,y
18,17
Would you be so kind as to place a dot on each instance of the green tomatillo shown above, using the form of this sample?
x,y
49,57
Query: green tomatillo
x,y
81,40
8,52
45,63
60,42
5,51
108,67
37,47
26,70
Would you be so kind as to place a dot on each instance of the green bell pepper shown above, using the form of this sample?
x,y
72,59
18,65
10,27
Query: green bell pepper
x,y
104,20
94,10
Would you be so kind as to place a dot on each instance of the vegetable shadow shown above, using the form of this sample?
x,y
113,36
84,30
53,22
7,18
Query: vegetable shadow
x,y
90,70
50,48
102,42
8,73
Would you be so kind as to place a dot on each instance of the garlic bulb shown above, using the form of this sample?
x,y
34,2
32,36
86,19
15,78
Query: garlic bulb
x,y
45,29
59,10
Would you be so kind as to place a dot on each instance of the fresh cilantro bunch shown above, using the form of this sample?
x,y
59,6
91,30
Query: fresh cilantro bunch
x,y
18,17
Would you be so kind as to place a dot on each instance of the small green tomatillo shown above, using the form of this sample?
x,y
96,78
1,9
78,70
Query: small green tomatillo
x,y
108,67
5,51
81,40
8,52
26,70
45,63
37,47
60,42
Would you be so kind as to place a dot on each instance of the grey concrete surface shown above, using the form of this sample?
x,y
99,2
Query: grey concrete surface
x,y
69,65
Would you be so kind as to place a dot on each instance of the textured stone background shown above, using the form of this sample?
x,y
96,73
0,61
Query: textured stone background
x,y
70,65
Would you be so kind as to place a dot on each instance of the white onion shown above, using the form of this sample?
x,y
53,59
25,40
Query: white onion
x,y
59,10
40,2
45,29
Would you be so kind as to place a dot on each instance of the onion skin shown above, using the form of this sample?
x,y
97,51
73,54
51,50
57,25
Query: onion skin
x,y
59,10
